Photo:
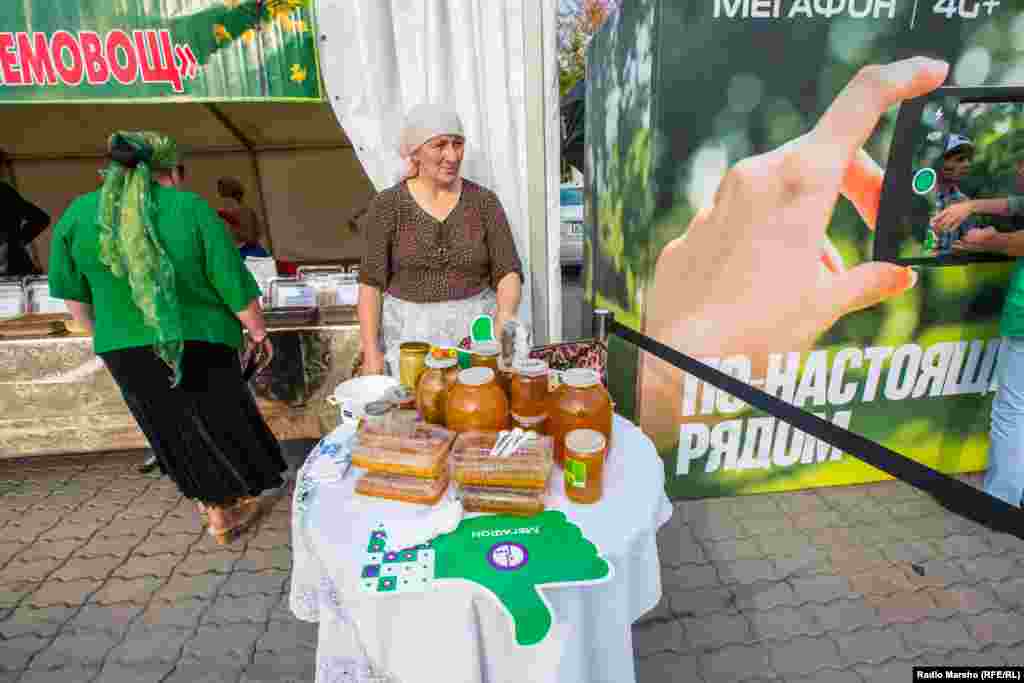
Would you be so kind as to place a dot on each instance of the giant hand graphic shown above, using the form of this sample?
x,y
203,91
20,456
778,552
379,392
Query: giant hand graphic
x,y
755,273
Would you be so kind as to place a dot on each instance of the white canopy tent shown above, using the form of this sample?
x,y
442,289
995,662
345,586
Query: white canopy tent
x,y
494,61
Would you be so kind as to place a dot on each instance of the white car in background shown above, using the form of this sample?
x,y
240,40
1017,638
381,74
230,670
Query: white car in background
x,y
571,201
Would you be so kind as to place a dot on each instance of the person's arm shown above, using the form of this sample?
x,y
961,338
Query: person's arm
x,y
226,270
65,280
233,282
374,275
28,219
34,221
952,216
991,240
510,293
369,329
82,314
506,267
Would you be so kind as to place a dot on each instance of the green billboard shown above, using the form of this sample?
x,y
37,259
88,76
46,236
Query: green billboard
x,y
733,201
117,50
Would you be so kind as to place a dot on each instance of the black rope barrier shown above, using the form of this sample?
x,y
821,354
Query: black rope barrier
x,y
955,495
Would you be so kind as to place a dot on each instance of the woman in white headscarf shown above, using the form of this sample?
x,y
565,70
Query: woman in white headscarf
x,y
439,249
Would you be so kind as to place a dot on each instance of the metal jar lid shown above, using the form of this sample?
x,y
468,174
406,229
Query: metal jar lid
x,y
585,441
402,394
378,408
441,363
531,367
476,377
581,378
485,349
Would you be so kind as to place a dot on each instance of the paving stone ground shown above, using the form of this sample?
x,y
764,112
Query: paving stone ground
x,y
107,576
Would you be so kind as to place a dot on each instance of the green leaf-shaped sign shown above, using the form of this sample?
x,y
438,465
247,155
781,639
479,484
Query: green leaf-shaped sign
x,y
515,558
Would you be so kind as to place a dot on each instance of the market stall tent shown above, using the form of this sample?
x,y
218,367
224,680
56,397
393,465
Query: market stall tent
x,y
296,163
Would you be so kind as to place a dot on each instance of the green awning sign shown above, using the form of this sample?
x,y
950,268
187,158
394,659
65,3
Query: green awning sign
x,y
107,50
69,60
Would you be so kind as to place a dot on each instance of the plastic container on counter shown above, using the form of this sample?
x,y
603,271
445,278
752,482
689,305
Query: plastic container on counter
x,y
503,501
528,467
477,403
580,402
38,299
402,488
291,293
415,450
13,302
585,451
264,271
528,395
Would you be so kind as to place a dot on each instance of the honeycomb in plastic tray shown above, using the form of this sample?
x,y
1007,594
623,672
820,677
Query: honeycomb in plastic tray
x,y
528,467
401,488
505,501
415,450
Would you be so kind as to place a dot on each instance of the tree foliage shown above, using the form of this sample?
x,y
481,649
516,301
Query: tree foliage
x,y
578,20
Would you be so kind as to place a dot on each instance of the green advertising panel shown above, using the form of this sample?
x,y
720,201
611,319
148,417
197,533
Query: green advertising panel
x,y
115,50
716,227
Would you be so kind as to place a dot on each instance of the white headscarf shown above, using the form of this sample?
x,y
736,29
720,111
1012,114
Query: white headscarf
x,y
425,122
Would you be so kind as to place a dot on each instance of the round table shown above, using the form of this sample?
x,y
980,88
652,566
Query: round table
x,y
456,631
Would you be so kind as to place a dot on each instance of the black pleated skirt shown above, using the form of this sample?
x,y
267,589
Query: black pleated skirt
x,y
207,434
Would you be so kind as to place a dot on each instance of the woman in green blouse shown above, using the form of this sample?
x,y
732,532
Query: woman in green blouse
x,y
152,272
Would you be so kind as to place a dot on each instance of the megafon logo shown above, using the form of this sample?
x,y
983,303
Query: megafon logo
x,y
63,58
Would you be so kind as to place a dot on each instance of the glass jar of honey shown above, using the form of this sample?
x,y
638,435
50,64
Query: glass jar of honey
x,y
477,403
580,402
432,390
528,395
411,362
585,451
451,374
485,355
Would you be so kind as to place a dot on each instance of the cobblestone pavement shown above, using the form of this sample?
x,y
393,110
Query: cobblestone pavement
x,y
107,576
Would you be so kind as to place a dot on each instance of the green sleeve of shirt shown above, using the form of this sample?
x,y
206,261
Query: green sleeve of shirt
x,y
223,263
1016,203
65,279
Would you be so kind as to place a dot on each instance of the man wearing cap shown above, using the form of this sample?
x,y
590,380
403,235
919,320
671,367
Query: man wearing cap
x,y
957,214
956,162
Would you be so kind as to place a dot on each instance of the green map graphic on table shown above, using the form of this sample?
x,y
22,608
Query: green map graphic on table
x,y
512,558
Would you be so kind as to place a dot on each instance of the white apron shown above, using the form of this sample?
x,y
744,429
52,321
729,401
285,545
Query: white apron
x,y
444,323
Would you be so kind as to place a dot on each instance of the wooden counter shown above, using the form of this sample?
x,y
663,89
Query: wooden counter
x,y
57,397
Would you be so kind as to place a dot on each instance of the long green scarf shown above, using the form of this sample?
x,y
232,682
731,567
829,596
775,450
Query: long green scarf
x,y
129,244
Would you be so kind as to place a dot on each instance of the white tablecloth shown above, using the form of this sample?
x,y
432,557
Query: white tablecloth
x,y
456,632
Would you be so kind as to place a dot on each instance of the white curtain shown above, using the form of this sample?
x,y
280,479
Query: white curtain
x,y
379,58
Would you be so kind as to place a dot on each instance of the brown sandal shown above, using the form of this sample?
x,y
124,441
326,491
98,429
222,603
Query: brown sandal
x,y
250,511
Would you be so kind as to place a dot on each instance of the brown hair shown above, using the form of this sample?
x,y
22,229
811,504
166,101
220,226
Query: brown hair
x,y
231,188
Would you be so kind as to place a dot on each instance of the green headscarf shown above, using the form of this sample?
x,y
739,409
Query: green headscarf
x,y
129,244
